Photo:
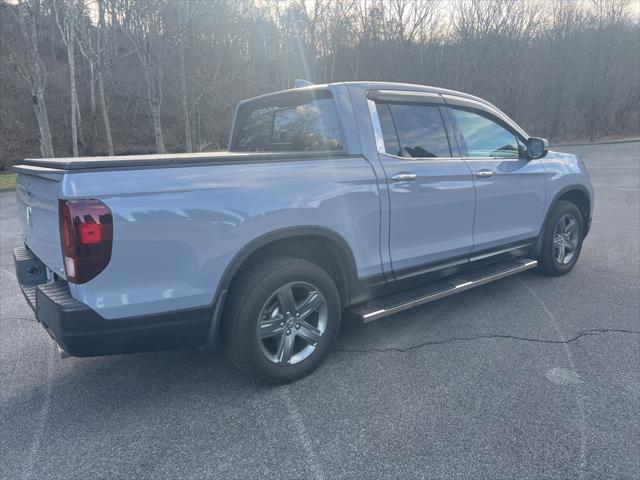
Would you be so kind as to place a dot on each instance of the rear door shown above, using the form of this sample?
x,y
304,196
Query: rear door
x,y
431,193
510,189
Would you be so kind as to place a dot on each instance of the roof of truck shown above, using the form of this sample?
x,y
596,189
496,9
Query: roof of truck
x,y
362,86
376,85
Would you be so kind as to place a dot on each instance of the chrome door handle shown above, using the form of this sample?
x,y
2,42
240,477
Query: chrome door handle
x,y
404,177
485,173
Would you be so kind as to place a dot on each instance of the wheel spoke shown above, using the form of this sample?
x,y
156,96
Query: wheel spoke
x,y
287,302
571,226
295,310
561,253
309,333
557,245
271,328
309,305
285,348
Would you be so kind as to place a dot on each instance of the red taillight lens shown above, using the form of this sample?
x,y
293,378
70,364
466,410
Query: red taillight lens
x,y
90,233
86,234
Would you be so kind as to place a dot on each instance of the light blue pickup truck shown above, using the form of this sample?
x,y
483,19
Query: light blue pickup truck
x,y
350,198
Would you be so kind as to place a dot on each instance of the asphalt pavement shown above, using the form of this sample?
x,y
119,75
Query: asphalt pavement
x,y
527,377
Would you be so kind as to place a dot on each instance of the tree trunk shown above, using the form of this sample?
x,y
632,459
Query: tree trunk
x,y
40,109
182,52
101,39
38,82
154,91
105,115
67,29
92,103
185,100
74,96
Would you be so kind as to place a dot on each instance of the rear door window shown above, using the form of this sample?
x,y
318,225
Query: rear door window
x,y
484,137
411,130
296,122
389,134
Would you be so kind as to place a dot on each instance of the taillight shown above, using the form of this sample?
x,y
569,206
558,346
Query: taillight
x,y
86,234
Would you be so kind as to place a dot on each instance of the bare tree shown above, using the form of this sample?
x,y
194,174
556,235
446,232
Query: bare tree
x,y
566,70
66,13
93,45
30,67
182,35
147,26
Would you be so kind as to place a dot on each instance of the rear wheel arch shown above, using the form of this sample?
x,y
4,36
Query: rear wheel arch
x,y
319,245
309,243
281,318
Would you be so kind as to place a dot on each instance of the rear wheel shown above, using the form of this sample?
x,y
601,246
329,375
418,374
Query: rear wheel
x,y
562,239
282,318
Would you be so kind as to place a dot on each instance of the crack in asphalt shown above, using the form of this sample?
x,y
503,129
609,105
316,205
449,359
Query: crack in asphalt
x,y
582,334
579,394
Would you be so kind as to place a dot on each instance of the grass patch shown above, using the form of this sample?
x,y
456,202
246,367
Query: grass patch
x,y
7,181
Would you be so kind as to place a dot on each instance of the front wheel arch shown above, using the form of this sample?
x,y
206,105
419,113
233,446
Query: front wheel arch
x,y
576,194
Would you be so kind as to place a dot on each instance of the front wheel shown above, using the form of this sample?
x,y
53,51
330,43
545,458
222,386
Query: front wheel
x,y
282,318
562,239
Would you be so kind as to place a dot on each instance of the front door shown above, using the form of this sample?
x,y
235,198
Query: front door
x,y
431,191
510,189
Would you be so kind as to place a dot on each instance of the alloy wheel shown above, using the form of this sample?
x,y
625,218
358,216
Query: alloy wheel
x,y
565,239
291,323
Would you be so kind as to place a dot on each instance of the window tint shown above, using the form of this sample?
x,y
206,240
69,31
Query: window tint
x,y
484,137
391,145
297,123
419,129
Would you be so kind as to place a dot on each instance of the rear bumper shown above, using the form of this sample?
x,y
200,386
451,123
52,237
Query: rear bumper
x,y
82,332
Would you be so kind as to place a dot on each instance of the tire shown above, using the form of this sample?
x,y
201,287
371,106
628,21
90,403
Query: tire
x,y
549,262
261,339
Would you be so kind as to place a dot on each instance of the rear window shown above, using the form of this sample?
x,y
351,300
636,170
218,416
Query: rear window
x,y
297,122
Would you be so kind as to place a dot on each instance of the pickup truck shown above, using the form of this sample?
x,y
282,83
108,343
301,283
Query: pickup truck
x,y
358,198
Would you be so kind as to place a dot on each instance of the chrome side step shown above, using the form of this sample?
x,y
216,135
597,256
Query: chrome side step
x,y
384,306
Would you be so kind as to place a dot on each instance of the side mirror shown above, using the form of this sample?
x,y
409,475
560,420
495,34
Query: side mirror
x,y
537,147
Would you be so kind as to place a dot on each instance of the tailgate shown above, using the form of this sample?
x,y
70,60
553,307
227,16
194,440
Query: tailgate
x,y
37,197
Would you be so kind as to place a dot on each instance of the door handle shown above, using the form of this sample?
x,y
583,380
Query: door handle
x,y
404,177
485,173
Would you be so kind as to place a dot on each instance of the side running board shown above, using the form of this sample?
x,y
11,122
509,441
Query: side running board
x,y
384,306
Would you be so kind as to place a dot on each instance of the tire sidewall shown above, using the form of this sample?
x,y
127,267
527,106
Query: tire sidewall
x,y
295,270
549,259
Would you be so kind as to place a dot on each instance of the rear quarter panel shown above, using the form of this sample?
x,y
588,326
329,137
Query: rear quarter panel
x,y
174,239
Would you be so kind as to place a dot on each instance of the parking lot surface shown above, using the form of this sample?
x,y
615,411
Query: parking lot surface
x,y
527,377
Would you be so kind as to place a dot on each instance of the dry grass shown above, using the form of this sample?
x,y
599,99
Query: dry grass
x,y
7,181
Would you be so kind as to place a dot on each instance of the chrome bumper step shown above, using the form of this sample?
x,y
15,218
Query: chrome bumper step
x,y
384,306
